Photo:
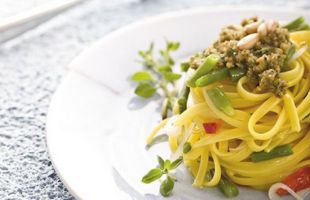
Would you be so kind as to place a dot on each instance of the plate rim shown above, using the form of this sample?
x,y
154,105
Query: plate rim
x,y
121,30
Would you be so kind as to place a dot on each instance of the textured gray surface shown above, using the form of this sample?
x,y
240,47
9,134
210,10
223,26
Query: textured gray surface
x,y
32,66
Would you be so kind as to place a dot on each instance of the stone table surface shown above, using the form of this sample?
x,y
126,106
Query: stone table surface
x,y
31,67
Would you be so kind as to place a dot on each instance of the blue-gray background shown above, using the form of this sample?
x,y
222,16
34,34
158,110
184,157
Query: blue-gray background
x,y
32,65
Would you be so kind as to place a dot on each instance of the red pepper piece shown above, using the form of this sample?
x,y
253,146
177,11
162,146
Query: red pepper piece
x,y
297,181
210,127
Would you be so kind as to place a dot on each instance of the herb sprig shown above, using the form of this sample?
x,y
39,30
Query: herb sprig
x,y
158,76
164,168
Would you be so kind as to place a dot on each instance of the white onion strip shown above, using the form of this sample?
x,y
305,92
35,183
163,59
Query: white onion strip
x,y
299,53
187,133
169,128
272,193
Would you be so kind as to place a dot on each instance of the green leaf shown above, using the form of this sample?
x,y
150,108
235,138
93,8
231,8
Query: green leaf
x,y
184,66
170,76
164,69
145,90
167,58
167,164
147,56
173,46
161,162
176,163
152,175
170,61
166,186
142,53
151,48
142,76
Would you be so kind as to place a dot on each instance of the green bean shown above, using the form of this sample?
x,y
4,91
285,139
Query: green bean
x,y
211,77
289,54
303,27
182,99
279,151
227,188
203,69
291,26
236,73
165,109
187,147
225,185
221,101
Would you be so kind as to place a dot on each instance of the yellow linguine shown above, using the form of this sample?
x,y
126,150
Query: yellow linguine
x,y
260,123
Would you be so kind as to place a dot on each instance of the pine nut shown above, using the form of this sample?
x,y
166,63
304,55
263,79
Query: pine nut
x,y
271,25
262,30
248,41
252,28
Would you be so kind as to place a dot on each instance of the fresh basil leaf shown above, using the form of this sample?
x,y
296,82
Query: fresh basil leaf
x,y
176,163
161,162
152,175
170,76
142,76
166,186
145,90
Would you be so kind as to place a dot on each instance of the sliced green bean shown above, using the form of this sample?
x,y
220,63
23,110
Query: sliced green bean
x,y
211,77
225,185
203,69
228,188
303,27
236,73
165,109
187,147
284,150
290,53
182,99
294,24
221,101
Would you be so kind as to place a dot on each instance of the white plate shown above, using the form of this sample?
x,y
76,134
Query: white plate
x,y
96,127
